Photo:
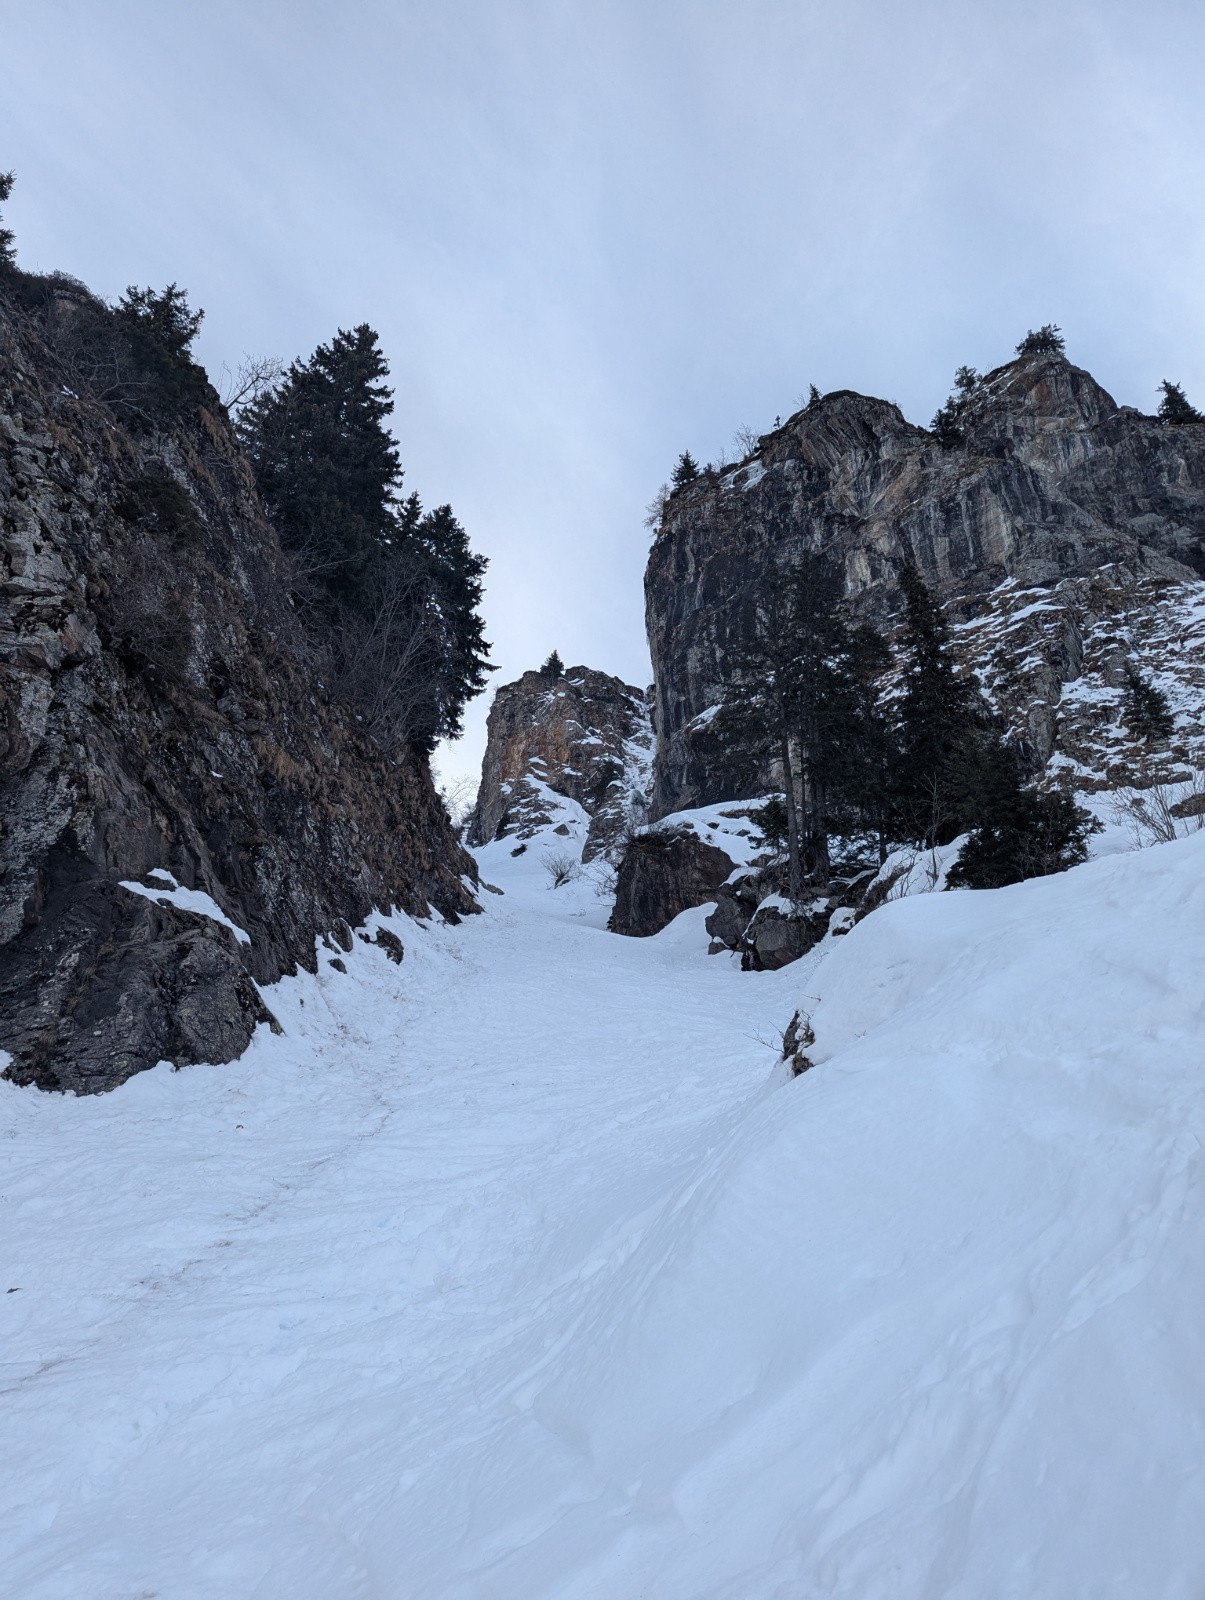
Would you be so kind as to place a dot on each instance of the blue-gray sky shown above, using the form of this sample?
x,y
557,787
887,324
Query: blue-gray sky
x,y
591,235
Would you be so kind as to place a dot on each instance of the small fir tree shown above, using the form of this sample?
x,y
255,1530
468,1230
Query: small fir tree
x,y
1174,407
1023,833
814,395
1145,709
1046,340
8,253
554,667
686,471
944,426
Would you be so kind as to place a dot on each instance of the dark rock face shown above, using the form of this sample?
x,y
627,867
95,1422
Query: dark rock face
x,y
585,735
156,711
663,873
776,936
1052,481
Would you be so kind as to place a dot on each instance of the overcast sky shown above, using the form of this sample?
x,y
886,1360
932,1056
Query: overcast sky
x,y
591,235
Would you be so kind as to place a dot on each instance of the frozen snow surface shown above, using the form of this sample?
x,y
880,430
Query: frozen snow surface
x,y
519,1270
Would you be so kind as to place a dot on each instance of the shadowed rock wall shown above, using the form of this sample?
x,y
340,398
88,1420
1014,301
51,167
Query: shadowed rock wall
x,y
157,711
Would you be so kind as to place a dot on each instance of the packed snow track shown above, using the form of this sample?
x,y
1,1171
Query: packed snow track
x,y
519,1271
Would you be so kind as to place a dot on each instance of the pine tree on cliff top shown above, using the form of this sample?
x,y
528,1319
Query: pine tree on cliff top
x,y
391,591
1046,340
8,254
554,667
1174,407
686,470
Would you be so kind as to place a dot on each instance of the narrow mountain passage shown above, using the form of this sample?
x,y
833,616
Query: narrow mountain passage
x,y
276,1294
519,1271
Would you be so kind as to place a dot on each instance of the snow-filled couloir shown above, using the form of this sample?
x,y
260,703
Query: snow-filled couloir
x,y
519,1270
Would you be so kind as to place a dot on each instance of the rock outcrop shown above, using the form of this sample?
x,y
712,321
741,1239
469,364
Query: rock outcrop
x,y
584,735
665,871
157,712
1050,482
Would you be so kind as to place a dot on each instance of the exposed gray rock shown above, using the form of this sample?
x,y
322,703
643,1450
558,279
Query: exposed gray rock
x,y
735,904
664,872
776,936
585,735
156,710
1053,481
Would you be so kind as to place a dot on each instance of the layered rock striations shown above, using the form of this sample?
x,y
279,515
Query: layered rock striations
x,y
157,713
583,735
1050,482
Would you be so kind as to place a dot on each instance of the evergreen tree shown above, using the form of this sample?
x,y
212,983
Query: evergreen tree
x,y
866,754
554,667
392,591
1145,709
944,426
935,718
1174,407
788,697
1045,340
456,658
686,471
954,773
8,253
1021,833
814,395
326,465
160,327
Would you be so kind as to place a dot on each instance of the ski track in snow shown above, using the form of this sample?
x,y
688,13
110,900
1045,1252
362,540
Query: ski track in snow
x,y
520,1271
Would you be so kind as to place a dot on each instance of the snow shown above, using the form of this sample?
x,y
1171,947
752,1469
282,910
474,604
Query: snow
x,y
520,1272
725,824
195,900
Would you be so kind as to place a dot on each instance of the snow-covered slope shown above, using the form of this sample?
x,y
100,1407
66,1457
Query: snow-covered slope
x,y
519,1271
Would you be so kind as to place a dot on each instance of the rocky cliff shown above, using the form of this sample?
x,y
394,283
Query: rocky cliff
x,y
1049,483
168,758
584,735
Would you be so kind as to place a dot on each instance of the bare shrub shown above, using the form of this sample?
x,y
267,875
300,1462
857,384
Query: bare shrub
x,y
746,441
654,512
379,660
1162,812
254,376
561,869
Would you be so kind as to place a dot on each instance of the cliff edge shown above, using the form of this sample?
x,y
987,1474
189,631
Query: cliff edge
x,y
185,809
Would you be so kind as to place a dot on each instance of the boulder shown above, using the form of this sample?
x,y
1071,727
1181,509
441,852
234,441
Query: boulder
x,y
777,936
664,872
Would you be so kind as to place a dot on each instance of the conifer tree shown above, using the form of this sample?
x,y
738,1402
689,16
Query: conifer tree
x,y
788,698
326,464
455,660
8,253
160,327
686,470
1145,709
1174,407
935,716
1047,339
554,667
393,591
